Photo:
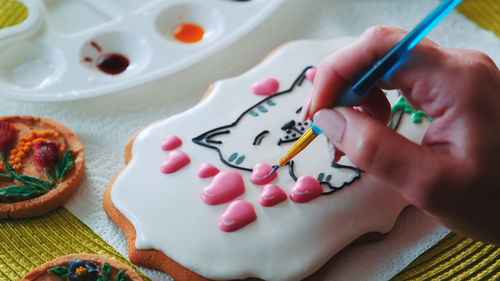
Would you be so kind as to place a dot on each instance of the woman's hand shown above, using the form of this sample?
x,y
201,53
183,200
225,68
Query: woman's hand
x,y
454,175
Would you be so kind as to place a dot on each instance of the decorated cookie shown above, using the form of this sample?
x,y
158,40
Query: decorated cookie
x,y
42,163
220,216
83,267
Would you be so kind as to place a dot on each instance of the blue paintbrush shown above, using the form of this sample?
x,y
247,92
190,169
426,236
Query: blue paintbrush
x,y
383,68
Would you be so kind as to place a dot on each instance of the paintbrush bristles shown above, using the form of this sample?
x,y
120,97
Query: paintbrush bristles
x,y
296,148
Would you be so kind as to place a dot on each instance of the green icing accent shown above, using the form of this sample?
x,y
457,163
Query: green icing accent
x,y
16,193
34,181
253,113
59,271
63,165
32,186
106,269
7,176
402,105
121,276
271,103
49,176
27,180
262,109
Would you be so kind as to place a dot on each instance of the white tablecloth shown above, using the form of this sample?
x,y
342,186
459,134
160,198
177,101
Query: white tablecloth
x,y
104,124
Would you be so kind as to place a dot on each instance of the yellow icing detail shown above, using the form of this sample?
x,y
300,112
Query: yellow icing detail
x,y
81,271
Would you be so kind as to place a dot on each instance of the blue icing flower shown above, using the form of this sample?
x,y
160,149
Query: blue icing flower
x,y
82,271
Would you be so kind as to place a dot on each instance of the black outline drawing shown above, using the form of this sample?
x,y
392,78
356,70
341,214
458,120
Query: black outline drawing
x,y
205,139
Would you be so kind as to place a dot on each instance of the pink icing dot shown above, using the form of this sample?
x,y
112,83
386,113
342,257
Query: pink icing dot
x,y
238,214
207,170
224,187
311,73
265,87
305,189
260,174
171,142
271,195
175,161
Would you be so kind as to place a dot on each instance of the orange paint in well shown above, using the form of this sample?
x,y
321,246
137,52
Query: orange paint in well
x,y
188,32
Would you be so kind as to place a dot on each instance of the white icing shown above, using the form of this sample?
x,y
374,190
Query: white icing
x,y
288,241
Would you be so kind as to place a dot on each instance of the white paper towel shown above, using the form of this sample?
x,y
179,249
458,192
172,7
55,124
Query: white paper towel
x,y
104,124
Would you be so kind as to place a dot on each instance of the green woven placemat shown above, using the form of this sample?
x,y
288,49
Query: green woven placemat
x,y
486,13
455,258
12,13
27,243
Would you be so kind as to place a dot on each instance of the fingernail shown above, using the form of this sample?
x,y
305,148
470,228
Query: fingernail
x,y
305,109
332,123
365,110
331,149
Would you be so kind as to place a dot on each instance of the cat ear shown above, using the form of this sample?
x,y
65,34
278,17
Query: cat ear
x,y
209,138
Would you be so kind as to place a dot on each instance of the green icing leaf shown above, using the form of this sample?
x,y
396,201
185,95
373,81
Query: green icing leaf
x,y
59,271
32,186
7,176
402,105
17,193
3,154
51,179
17,190
63,165
33,181
121,276
106,269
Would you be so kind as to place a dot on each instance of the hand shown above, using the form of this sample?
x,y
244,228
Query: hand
x,y
454,174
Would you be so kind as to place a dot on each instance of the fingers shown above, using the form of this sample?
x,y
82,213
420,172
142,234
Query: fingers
x,y
338,71
376,105
374,147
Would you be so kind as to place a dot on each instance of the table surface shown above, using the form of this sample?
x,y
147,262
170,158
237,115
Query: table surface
x,y
105,123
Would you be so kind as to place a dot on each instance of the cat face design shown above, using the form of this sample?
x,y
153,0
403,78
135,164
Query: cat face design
x,y
266,130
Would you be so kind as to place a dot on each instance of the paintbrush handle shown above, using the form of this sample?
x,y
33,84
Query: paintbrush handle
x,y
384,67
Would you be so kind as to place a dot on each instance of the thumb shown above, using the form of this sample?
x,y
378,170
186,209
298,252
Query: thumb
x,y
374,147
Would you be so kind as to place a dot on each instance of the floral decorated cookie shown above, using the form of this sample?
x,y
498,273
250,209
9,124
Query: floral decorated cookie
x,y
42,163
82,267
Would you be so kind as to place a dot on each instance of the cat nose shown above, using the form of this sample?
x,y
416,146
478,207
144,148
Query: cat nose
x,y
288,125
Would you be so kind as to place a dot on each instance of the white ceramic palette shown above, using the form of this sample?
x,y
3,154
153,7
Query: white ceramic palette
x,y
53,54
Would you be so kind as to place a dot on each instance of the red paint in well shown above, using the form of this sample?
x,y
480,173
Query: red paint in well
x,y
96,46
112,63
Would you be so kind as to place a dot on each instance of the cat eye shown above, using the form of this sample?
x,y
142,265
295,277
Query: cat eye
x,y
259,137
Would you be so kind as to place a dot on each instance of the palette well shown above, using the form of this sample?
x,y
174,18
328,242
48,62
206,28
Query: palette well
x,y
73,49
